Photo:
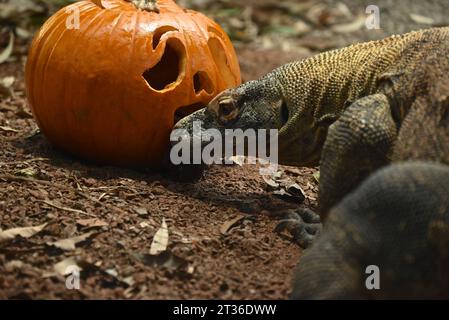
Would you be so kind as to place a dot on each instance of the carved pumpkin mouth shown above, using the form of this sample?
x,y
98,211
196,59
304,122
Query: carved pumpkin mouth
x,y
184,111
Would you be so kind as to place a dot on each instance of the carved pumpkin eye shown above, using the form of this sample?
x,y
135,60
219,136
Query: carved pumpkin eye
x,y
169,69
111,88
157,35
202,81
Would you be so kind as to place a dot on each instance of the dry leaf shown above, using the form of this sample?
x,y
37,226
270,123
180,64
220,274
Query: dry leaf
x,y
422,19
285,188
296,191
141,211
8,129
144,225
6,53
190,269
23,33
357,24
70,243
160,240
278,174
112,272
281,193
294,196
27,172
270,182
165,259
66,266
6,84
344,10
26,232
14,265
129,281
92,223
228,225
294,171
316,176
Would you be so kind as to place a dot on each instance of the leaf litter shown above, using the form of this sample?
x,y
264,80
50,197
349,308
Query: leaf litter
x,y
25,232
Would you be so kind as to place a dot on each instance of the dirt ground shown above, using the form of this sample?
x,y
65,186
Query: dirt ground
x,y
221,239
247,261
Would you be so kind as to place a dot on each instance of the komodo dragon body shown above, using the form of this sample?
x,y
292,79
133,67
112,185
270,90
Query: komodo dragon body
x,y
375,117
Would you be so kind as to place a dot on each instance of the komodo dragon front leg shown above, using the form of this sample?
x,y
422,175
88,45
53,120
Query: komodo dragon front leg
x,y
357,144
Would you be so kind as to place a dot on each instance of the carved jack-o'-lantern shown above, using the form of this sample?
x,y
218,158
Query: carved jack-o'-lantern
x,y
107,79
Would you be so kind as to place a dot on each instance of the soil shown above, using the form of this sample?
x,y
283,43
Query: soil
x,y
248,261
221,239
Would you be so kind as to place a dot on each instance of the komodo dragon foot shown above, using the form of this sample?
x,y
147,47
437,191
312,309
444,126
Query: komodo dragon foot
x,y
303,224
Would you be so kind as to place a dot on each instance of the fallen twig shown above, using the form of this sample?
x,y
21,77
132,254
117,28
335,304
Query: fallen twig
x,y
51,204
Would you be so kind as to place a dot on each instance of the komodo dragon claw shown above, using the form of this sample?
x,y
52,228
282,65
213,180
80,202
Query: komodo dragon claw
x,y
303,224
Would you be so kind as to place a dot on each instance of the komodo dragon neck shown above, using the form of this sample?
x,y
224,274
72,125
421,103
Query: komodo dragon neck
x,y
318,89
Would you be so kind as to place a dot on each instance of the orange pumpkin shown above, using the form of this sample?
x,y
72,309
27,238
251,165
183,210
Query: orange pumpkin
x,y
106,78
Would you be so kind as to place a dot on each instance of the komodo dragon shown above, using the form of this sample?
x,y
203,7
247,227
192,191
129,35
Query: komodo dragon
x,y
375,117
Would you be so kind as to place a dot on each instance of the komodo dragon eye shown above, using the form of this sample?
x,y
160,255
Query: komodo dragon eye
x,y
225,108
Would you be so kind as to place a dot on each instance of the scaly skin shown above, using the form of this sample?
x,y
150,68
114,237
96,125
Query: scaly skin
x,y
354,111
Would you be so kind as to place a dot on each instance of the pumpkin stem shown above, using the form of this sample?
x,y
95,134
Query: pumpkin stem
x,y
147,5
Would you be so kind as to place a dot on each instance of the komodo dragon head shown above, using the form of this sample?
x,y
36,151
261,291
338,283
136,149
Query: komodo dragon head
x,y
261,104
249,106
